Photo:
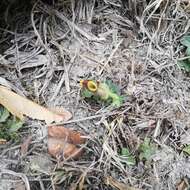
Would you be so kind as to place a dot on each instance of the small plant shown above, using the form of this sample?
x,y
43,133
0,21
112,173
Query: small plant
x,y
130,159
186,149
106,92
147,149
184,63
9,125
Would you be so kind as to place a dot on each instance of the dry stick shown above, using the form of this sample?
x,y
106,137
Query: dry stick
x,y
86,118
49,75
82,32
185,30
110,57
58,87
36,31
22,176
105,115
183,58
65,76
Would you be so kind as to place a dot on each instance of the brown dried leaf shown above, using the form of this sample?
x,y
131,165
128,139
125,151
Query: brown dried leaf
x,y
69,135
20,106
59,147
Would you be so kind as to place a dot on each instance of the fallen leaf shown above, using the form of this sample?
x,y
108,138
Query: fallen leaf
x,y
25,145
59,147
20,106
69,135
118,185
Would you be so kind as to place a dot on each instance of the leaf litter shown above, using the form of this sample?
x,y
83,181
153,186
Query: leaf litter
x,y
44,55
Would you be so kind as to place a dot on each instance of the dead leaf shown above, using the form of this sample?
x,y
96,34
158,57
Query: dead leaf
x,y
69,135
62,142
61,111
25,145
20,106
59,147
118,185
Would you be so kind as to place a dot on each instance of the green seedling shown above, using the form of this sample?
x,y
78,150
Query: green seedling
x,y
101,91
185,63
130,159
146,150
186,149
9,125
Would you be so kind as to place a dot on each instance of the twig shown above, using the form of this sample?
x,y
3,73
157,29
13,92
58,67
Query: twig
x,y
20,175
110,57
87,118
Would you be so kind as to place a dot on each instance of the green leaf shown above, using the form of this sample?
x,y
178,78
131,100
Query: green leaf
x,y
125,152
14,125
187,149
129,158
146,149
86,93
186,41
4,114
184,64
113,88
187,51
114,94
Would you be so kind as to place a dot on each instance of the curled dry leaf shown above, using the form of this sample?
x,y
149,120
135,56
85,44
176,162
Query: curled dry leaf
x,y
59,147
63,141
20,106
69,135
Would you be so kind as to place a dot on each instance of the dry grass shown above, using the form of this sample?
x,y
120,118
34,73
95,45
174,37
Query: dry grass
x,y
47,49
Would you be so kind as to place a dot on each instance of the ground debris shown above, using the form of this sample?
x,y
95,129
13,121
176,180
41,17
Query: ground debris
x,y
46,49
